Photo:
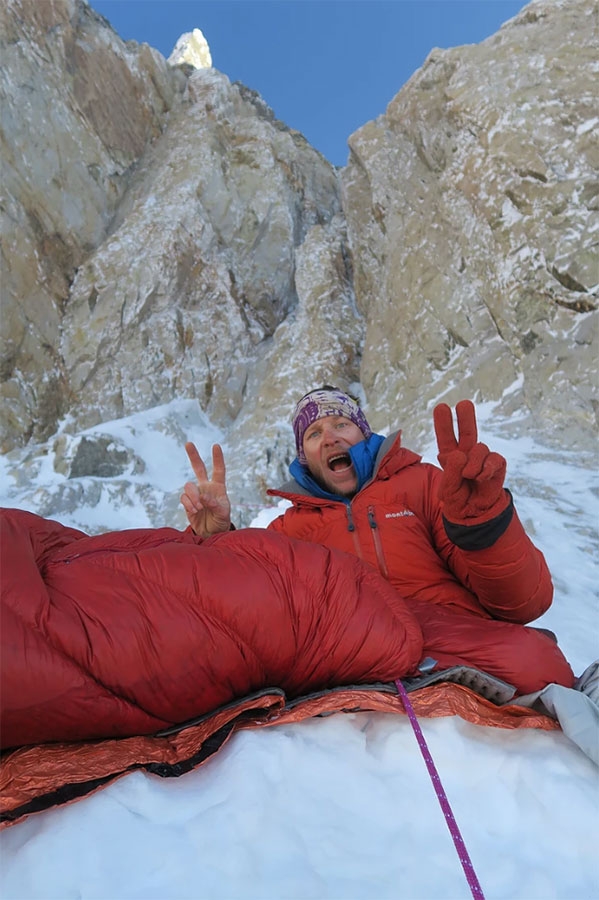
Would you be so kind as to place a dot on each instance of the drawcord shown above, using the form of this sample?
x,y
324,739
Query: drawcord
x,y
473,882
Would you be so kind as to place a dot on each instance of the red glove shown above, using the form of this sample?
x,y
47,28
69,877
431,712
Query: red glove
x,y
472,489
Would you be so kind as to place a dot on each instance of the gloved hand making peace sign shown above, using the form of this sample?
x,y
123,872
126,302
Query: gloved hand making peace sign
x,y
472,489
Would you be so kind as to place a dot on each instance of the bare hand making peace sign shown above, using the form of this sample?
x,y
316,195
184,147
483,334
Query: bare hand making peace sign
x,y
207,503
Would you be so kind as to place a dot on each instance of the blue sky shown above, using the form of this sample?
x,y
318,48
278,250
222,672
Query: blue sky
x,y
326,67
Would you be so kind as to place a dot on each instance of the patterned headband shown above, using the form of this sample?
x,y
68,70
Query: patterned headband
x,y
320,403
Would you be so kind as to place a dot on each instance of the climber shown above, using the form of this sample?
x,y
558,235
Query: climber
x,y
448,536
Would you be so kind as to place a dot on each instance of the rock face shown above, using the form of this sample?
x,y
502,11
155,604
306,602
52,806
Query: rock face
x,y
168,238
79,107
472,215
199,268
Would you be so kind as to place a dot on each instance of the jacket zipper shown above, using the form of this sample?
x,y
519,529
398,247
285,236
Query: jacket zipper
x,y
378,544
351,527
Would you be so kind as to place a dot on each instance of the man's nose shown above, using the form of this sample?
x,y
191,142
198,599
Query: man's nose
x,y
329,435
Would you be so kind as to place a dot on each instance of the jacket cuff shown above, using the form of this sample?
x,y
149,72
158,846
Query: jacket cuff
x,y
479,537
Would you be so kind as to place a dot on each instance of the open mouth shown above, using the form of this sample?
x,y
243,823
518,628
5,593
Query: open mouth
x,y
339,462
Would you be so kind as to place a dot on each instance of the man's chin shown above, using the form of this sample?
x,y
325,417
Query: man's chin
x,y
347,489
347,495
342,487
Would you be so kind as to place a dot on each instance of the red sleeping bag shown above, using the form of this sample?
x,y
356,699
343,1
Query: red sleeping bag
x,y
130,632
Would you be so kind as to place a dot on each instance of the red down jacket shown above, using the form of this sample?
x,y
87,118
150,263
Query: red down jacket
x,y
130,632
395,523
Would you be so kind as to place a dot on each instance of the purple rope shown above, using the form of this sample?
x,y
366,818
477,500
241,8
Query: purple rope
x,y
473,882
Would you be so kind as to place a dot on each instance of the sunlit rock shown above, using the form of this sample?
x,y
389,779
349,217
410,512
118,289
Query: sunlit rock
x,y
191,48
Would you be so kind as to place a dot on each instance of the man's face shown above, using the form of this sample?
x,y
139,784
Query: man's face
x,y
326,444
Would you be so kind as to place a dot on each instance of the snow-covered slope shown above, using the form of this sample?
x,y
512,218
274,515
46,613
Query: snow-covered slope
x,y
338,807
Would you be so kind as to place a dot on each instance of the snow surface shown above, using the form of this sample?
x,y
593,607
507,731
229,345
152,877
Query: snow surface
x,y
341,806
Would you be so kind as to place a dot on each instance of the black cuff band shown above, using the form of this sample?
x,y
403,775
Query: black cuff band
x,y
479,537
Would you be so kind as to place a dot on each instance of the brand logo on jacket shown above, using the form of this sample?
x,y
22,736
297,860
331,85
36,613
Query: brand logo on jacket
x,y
398,515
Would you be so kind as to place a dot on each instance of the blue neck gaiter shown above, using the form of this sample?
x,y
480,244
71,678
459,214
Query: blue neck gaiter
x,y
363,456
